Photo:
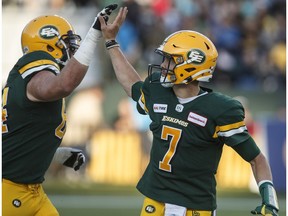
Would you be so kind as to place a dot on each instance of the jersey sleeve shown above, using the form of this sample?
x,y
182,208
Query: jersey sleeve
x,y
248,149
231,128
32,63
139,94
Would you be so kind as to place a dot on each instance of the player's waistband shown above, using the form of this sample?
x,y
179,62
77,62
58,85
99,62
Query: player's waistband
x,y
201,213
31,187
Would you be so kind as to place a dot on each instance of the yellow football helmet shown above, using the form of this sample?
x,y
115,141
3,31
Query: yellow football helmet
x,y
52,34
193,53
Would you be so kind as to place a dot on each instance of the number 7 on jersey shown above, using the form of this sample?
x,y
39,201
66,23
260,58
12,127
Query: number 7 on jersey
x,y
175,133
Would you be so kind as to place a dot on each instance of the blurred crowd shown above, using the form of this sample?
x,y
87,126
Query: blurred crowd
x,y
250,35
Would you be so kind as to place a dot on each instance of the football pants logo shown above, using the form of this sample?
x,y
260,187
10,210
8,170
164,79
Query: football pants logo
x,y
16,203
150,209
48,32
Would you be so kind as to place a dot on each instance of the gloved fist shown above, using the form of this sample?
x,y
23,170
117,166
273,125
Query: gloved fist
x,y
265,210
76,160
70,157
105,13
270,206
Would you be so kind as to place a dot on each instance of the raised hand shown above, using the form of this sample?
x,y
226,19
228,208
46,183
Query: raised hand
x,y
110,30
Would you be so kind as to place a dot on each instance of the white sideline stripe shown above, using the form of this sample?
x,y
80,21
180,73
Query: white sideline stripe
x,y
135,202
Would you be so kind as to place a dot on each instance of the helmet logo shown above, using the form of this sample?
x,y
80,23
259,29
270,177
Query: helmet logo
x,y
48,32
196,56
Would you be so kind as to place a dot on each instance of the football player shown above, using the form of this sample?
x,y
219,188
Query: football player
x,y
190,125
33,109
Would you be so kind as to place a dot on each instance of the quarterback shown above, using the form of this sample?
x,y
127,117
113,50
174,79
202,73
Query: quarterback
x,y
33,109
190,125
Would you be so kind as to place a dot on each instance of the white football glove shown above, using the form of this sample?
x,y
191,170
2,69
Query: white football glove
x,y
70,157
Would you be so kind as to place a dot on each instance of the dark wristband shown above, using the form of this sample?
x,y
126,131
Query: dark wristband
x,y
111,43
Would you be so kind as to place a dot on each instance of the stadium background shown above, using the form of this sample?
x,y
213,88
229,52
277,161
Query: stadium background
x,y
251,41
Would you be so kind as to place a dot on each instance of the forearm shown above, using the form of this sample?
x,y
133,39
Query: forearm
x,y
71,76
261,168
263,177
124,71
45,86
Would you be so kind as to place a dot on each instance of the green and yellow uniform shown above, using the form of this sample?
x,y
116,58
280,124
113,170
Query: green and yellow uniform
x,y
187,143
31,131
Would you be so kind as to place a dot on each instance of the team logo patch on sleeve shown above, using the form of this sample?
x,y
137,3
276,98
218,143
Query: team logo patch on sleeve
x,y
197,119
160,108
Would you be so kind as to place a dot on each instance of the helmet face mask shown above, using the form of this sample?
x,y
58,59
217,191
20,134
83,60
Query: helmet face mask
x,y
69,44
167,77
194,54
51,34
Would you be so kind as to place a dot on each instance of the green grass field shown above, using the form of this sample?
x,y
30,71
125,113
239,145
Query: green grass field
x,y
106,200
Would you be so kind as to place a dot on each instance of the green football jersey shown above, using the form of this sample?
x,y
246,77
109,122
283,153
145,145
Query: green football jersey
x,y
187,143
31,131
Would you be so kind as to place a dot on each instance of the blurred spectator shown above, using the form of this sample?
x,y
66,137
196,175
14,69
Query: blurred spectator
x,y
250,35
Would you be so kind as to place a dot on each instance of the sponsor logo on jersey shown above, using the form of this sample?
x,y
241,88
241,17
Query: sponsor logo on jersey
x,y
197,119
48,32
16,203
179,107
160,108
150,209
175,120
196,56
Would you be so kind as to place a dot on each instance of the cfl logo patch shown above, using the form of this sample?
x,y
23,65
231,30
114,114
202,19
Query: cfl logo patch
x,y
150,209
16,203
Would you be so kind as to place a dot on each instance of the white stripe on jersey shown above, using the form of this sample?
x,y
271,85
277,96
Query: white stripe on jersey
x,y
40,68
232,132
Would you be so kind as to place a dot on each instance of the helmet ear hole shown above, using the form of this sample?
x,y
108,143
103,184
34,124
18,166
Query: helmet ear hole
x,y
190,69
50,48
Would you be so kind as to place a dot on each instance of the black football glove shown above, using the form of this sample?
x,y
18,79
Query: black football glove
x,y
269,205
105,13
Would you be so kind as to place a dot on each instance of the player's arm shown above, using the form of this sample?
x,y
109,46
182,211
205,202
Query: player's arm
x,y
124,71
263,176
46,86
70,157
249,151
